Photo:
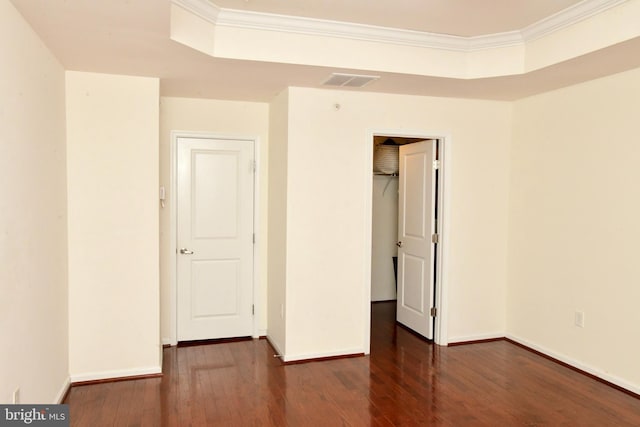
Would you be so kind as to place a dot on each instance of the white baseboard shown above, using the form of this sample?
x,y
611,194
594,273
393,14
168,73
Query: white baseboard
x,y
634,388
480,337
311,356
63,390
172,342
115,374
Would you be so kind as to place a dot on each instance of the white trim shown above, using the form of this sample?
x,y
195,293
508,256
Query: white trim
x,y
327,28
311,356
635,388
173,239
257,301
440,333
444,192
115,374
368,239
479,337
201,8
567,17
494,41
257,306
347,30
63,391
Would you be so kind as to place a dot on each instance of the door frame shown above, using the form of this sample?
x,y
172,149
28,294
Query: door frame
x,y
440,335
173,232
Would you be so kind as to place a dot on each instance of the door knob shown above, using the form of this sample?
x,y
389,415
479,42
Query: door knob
x,y
186,251
399,244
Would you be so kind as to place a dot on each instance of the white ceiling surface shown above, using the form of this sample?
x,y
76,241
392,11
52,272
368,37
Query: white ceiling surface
x,y
131,37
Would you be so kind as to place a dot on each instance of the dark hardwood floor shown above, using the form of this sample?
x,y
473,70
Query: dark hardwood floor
x,y
404,382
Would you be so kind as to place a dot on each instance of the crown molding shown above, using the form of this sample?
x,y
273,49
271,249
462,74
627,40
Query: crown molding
x,y
567,17
348,30
202,8
497,40
327,28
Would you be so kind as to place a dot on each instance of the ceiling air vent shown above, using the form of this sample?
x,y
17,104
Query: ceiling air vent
x,y
349,80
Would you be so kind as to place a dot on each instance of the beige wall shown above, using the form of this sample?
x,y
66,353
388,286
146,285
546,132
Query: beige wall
x,y
278,173
574,231
384,230
328,199
224,118
112,175
551,181
33,216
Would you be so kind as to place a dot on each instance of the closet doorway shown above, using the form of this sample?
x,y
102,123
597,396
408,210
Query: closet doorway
x,y
406,190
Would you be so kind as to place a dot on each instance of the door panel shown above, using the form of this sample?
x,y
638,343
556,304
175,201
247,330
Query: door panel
x,y
219,298
211,191
414,193
416,223
215,238
413,296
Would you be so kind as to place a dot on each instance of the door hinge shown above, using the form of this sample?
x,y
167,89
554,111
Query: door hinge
x,y
436,164
254,238
254,166
253,309
435,238
434,312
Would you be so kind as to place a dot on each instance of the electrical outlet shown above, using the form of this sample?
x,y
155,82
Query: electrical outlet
x,y
16,396
579,319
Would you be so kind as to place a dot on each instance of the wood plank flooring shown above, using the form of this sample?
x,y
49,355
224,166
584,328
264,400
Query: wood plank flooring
x,y
404,382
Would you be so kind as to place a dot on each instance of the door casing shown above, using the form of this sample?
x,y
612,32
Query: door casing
x,y
444,212
173,233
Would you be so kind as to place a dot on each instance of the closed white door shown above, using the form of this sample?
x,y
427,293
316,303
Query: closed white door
x,y
416,223
215,184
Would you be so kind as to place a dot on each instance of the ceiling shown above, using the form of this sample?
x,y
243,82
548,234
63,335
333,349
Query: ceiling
x,y
131,37
455,17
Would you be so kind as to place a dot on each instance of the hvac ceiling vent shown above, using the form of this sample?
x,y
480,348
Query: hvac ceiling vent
x,y
349,80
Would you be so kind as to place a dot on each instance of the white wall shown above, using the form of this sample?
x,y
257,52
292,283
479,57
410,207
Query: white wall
x,y
574,233
278,173
112,176
328,198
33,216
384,230
225,118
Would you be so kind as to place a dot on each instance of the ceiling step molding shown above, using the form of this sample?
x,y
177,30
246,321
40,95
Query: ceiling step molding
x,y
493,41
567,17
327,28
202,8
348,30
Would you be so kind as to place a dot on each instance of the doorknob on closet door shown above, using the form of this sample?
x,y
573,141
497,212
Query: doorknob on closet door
x,y
186,251
399,244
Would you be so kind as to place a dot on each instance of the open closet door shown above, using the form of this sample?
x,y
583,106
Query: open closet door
x,y
416,225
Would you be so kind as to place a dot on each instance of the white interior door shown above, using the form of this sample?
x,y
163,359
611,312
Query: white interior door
x,y
215,183
416,223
